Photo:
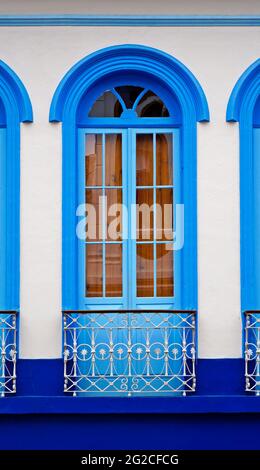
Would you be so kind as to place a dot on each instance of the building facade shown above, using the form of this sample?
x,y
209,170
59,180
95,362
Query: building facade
x,y
122,326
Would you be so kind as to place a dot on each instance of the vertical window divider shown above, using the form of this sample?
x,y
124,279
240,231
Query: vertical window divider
x,y
131,185
154,215
103,215
125,222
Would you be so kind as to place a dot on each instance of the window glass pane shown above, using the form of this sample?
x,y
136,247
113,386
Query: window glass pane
x,y
164,214
129,94
113,159
145,270
144,159
151,105
93,160
164,268
114,214
94,277
114,285
144,214
107,105
164,159
94,214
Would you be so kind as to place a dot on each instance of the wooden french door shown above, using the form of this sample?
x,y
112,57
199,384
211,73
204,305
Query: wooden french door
x,y
129,180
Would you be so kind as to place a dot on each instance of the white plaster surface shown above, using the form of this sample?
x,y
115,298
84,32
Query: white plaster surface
x,y
217,56
148,7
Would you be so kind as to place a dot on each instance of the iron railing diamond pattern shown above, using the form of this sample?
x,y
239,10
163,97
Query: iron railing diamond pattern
x,y
129,352
252,351
8,352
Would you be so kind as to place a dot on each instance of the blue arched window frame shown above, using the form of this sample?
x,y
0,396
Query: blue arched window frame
x,y
15,107
244,107
173,82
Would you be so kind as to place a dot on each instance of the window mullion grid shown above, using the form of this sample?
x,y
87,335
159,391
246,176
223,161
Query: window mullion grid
x,y
104,187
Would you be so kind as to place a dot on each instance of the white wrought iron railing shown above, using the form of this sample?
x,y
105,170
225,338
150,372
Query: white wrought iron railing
x,y
252,351
129,352
8,336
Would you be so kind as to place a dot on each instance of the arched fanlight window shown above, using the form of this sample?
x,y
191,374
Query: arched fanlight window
x,y
107,105
150,105
116,102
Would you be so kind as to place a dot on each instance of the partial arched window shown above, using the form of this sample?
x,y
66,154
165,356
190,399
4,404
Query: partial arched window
x,y
15,107
129,117
244,107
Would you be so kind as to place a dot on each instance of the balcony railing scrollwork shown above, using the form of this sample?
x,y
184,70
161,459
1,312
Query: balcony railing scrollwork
x,y
8,351
252,351
129,352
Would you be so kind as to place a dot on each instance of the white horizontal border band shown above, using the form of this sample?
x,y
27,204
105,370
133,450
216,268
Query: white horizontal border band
x,y
128,20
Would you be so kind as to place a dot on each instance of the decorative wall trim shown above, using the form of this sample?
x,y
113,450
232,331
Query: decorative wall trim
x,y
130,20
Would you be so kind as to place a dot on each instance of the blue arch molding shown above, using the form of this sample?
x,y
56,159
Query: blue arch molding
x,y
244,94
241,108
130,57
14,95
16,107
180,82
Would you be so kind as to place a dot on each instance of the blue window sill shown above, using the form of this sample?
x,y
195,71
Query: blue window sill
x,y
134,405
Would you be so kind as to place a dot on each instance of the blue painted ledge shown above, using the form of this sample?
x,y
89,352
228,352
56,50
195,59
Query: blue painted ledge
x,y
129,20
220,390
44,377
139,405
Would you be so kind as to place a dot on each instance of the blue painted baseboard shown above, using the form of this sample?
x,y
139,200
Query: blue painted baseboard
x,y
44,377
219,416
129,432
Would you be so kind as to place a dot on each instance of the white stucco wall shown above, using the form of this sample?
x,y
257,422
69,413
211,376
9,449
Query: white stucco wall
x,y
217,57
117,7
